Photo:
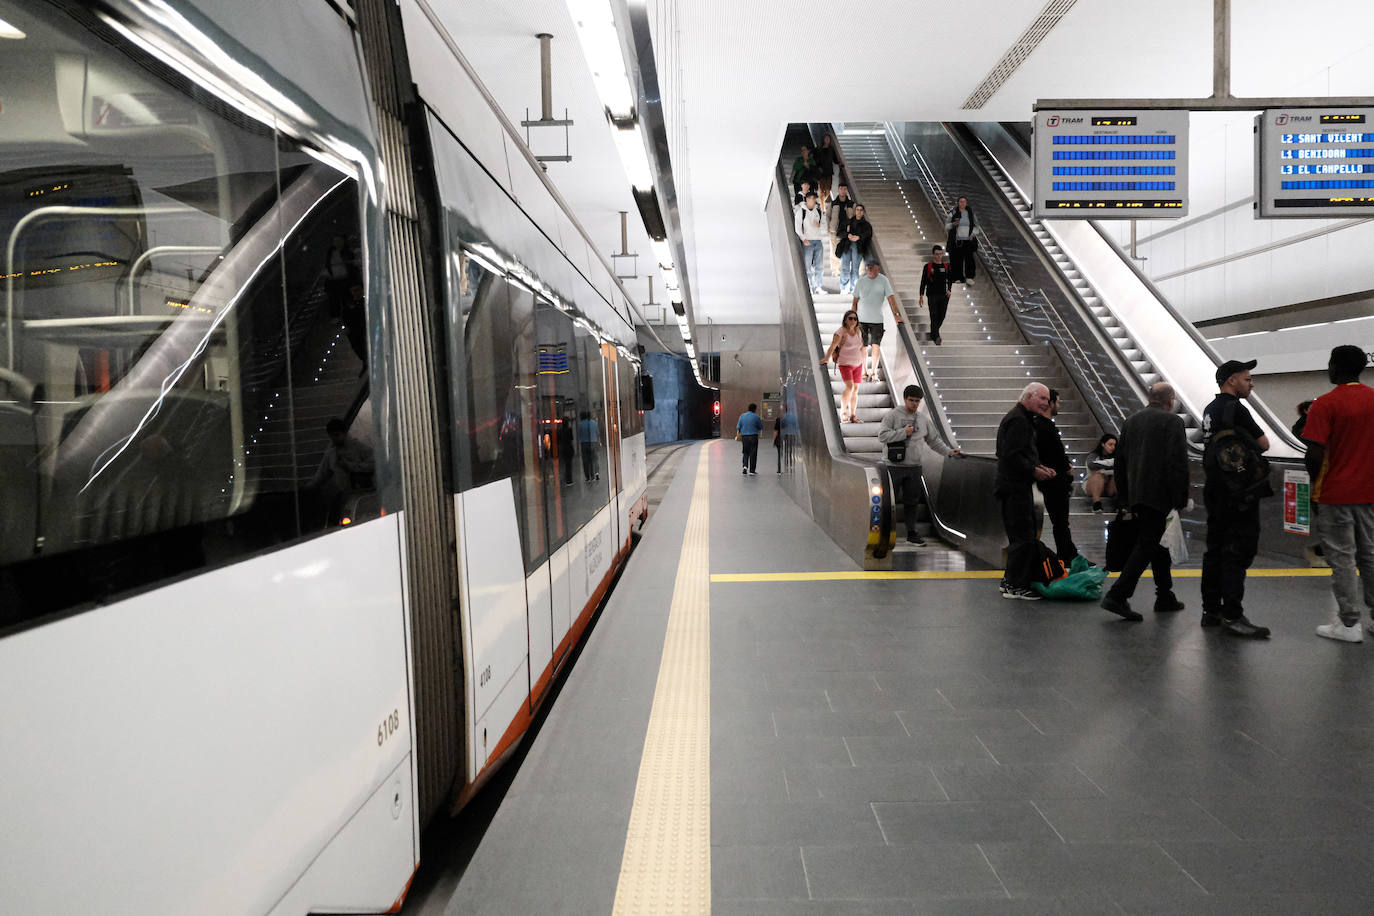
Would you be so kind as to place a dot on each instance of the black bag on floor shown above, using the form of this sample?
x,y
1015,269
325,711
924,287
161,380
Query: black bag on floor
x,y
1122,533
1048,566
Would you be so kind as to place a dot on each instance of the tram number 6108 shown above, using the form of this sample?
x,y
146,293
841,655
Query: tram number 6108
x,y
390,726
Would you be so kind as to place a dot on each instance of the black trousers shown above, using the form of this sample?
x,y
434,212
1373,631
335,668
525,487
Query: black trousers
x,y
751,453
938,309
1057,508
907,489
1018,518
589,470
962,263
777,444
1146,552
1232,542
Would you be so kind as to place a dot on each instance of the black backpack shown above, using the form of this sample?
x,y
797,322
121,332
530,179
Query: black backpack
x,y
1233,458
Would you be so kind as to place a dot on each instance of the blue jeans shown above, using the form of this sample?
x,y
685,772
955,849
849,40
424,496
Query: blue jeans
x,y
1347,534
813,253
850,262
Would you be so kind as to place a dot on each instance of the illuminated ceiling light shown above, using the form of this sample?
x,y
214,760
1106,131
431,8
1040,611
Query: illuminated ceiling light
x,y
669,279
630,143
9,31
663,252
596,31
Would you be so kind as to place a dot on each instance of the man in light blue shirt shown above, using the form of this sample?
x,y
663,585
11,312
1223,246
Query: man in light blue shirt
x,y
588,440
749,426
869,293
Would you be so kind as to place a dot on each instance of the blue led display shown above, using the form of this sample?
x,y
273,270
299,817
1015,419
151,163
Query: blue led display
x,y
1113,170
1099,154
1113,185
1324,185
1127,140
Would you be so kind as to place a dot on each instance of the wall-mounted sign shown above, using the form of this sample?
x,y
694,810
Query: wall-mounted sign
x,y
1111,164
1315,162
1297,502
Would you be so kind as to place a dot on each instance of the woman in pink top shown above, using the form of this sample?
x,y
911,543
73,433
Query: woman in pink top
x,y
847,349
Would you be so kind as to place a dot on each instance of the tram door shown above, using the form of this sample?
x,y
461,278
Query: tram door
x,y
612,412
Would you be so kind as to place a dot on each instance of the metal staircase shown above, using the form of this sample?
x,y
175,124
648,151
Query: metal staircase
x,y
1119,336
984,361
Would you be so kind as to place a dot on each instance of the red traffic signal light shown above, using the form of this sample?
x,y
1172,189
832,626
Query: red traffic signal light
x,y
715,408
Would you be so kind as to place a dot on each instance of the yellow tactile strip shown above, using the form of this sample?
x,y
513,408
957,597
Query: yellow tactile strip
x,y
855,575
667,863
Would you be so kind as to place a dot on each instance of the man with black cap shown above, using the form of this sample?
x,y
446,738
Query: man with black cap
x,y
1340,460
1233,521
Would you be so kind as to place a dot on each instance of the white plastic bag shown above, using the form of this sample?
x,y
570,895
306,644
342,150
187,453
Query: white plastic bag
x,y
1174,541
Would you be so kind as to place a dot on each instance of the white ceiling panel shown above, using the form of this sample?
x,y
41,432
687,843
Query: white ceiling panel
x,y
746,69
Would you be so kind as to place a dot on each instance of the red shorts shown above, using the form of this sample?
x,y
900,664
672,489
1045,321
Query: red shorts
x,y
853,374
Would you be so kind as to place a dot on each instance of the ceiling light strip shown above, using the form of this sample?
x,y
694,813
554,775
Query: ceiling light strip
x,y
1021,49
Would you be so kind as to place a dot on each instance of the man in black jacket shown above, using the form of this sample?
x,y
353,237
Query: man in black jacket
x,y
935,285
1018,468
1233,519
1057,489
1151,479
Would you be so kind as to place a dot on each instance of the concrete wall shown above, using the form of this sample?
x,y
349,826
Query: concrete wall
x,y
744,377
682,409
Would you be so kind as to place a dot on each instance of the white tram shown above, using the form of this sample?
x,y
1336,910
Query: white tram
x,y
319,445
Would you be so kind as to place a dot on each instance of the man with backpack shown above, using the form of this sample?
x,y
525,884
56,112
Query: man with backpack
x,y
904,429
1237,478
935,286
809,224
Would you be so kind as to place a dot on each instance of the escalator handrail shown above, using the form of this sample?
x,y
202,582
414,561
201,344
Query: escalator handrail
x,y
1106,345
1203,344
1072,357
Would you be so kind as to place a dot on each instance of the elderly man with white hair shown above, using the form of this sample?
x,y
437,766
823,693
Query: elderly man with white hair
x,y
1018,470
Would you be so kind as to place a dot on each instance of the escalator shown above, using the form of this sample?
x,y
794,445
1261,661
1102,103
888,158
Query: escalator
x,y
837,475
1070,290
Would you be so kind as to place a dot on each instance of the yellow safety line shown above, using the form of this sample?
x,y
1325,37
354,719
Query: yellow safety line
x,y
851,575
667,863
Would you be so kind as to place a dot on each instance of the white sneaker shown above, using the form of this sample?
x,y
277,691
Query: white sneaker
x,y
1340,631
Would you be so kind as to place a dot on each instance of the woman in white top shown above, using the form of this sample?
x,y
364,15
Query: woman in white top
x,y
847,349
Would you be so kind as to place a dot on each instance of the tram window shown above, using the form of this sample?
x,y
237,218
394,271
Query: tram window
x,y
168,361
498,342
631,420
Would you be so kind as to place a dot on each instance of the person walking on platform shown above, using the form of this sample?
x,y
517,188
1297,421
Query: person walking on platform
x,y
847,350
856,244
961,242
1152,480
935,287
1233,516
837,216
810,229
1057,489
1340,460
824,157
749,427
904,429
870,292
1018,468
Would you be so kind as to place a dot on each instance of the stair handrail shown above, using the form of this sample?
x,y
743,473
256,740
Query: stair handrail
x,y
1107,345
1022,299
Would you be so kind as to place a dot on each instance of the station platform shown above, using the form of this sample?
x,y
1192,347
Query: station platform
x,y
755,726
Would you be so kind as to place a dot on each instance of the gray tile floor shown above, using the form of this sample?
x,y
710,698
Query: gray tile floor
x,y
926,747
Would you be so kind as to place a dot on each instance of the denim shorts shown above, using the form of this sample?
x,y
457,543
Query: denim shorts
x,y
872,331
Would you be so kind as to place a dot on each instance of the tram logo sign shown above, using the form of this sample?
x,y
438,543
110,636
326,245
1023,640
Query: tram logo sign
x,y
1281,120
1052,121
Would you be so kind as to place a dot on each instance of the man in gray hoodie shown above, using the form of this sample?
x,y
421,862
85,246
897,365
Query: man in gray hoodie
x,y
906,428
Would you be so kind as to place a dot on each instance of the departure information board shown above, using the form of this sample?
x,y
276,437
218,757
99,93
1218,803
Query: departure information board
x,y
1111,164
1315,162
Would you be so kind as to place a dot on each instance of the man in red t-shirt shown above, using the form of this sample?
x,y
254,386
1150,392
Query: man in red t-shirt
x,y
1340,460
